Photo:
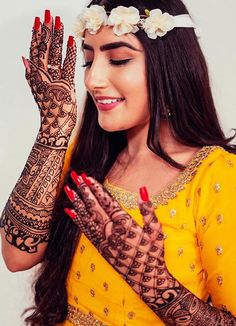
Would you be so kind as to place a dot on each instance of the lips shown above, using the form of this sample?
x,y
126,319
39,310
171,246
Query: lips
x,y
105,103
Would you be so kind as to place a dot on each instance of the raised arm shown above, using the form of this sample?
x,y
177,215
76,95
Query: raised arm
x,y
25,221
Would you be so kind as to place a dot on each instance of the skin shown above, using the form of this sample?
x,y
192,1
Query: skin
x,y
26,219
136,253
104,79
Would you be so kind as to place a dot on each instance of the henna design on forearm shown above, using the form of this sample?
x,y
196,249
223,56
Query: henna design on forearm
x,y
27,215
138,255
186,309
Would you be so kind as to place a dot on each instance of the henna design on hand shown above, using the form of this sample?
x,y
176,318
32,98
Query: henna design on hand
x,y
55,54
53,88
27,216
138,255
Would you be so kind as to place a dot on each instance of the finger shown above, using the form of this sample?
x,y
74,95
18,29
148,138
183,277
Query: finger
x,y
45,40
75,218
88,197
55,51
106,201
68,71
151,225
36,34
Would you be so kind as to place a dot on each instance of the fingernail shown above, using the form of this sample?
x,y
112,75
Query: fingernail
x,y
77,180
57,23
70,212
85,178
37,23
70,193
144,194
70,41
47,16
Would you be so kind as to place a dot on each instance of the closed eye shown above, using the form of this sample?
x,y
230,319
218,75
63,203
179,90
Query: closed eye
x,y
111,62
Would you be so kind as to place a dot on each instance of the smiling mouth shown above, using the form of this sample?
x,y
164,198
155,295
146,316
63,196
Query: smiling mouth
x,y
109,101
108,104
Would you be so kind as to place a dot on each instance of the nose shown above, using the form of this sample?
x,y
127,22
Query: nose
x,y
95,76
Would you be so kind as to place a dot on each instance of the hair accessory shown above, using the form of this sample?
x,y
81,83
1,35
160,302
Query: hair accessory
x,y
128,20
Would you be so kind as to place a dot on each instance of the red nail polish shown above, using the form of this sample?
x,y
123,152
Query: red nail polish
x,y
57,23
70,212
144,194
37,23
70,41
85,178
47,16
77,180
70,193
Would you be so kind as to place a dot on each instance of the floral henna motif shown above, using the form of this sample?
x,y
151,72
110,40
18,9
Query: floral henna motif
x,y
27,216
138,255
55,54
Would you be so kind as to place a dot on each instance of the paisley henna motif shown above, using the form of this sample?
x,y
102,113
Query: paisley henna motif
x,y
138,255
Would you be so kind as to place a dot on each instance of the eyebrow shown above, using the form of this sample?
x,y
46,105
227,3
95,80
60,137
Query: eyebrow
x,y
110,46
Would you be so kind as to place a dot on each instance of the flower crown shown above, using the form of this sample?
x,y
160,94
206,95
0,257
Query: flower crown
x,y
128,20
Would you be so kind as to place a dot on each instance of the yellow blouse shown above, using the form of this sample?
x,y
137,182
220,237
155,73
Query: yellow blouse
x,y
197,214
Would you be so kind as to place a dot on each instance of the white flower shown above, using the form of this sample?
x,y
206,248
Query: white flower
x,y
92,19
79,28
124,20
158,24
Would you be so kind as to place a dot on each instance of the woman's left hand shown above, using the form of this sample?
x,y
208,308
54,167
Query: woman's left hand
x,y
136,252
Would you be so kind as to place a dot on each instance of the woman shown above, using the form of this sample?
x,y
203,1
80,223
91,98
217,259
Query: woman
x,y
149,118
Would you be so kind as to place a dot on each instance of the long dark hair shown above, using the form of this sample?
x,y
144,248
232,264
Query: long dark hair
x,y
177,77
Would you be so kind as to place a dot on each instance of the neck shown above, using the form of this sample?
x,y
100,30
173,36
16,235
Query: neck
x,y
137,141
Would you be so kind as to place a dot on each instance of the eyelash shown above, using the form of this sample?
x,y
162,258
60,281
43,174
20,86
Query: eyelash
x,y
112,62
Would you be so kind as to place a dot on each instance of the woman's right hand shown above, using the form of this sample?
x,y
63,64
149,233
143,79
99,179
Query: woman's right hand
x,y
51,81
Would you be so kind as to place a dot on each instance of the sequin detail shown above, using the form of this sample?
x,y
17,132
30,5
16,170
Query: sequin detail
x,y
79,318
219,250
129,200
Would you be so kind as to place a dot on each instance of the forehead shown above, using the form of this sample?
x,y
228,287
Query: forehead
x,y
106,35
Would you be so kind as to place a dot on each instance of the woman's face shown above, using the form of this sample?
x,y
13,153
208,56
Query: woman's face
x,y
115,76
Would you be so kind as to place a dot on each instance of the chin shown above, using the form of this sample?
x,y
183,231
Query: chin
x,y
110,127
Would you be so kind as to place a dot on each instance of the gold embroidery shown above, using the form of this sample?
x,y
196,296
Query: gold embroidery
x,y
230,163
105,285
216,187
82,249
180,251
219,280
192,267
183,226
188,202
76,300
219,250
92,267
203,220
130,200
79,318
92,293
106,311
78,275
131,315
172,212
219,218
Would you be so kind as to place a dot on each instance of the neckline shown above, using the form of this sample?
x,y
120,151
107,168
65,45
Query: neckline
x,y
129,199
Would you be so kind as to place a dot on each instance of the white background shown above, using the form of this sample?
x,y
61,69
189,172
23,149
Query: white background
x,y
19,120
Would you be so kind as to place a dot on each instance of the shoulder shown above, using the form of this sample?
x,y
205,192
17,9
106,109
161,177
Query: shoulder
x,y
217,162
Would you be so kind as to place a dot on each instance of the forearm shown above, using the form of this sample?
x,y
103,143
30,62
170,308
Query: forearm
x,y
28,212
179,306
